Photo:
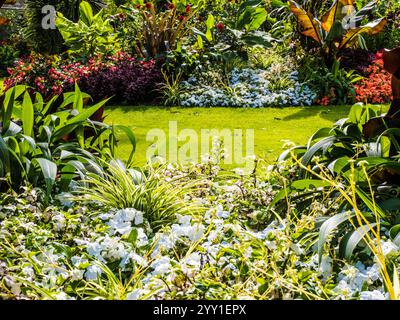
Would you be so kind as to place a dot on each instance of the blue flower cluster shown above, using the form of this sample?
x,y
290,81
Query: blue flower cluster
x,y
246,88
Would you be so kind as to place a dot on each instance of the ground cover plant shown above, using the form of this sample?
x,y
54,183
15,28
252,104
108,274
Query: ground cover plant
x,y
89,211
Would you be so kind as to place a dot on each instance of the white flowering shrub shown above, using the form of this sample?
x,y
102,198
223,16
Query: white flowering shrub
x,y
249,88
234,249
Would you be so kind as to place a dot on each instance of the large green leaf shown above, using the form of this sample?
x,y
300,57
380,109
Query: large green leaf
x,y
27,115
210,25
328,227
320,146
49,171
352,239
4,158
258,39
252,18
307,184
374,207
7,108
86,13
132,139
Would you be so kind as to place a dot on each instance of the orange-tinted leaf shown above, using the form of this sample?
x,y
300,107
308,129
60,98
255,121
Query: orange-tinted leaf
x,y
336,12
371,28
311,26
4,21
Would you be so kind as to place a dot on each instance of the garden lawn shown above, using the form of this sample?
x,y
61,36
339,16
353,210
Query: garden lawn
x,y
272,126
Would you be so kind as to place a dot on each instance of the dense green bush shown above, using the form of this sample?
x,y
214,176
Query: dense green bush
x,y
8,55
46,144
49,41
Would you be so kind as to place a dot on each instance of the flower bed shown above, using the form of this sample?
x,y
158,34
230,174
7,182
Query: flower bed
x,y
247,88
376,86
232,251
120,76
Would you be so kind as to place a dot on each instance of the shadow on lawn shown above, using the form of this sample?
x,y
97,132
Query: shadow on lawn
x,y
331,113
129,108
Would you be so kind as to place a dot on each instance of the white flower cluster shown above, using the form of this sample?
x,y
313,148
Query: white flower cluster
x,y
224,253
247,88
354,279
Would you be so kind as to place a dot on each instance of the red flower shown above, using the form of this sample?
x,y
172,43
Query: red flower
x,y
379,55
149,5
220,26
376,86
325,101
188,8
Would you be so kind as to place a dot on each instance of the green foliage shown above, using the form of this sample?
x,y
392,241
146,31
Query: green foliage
x,y
91,35
360,174
240,30
160,201
49,40
339,28
171,89
8,55
336,83
44,147
163,29
391,37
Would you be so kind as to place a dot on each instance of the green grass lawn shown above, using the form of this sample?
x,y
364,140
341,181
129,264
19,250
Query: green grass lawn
x,y
272,126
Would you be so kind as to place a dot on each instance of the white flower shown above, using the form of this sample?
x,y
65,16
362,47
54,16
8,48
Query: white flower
x,y
29,272
222,213
345,291
77,274
138,218
388,247
193,260
93,272
161,266
14,287
95,249
105,216
62,296
120,226
138,259
184,220
373,272
194,233
134,295
121,222
142,239
326,266
59,222
77,261
65,199
164,242
372,295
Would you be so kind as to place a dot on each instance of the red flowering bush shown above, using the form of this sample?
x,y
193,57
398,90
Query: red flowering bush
x,y
376,86
120,76
324,101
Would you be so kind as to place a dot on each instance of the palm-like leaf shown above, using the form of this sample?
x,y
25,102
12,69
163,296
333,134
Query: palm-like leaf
x,y
370,28
311,27
334,13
